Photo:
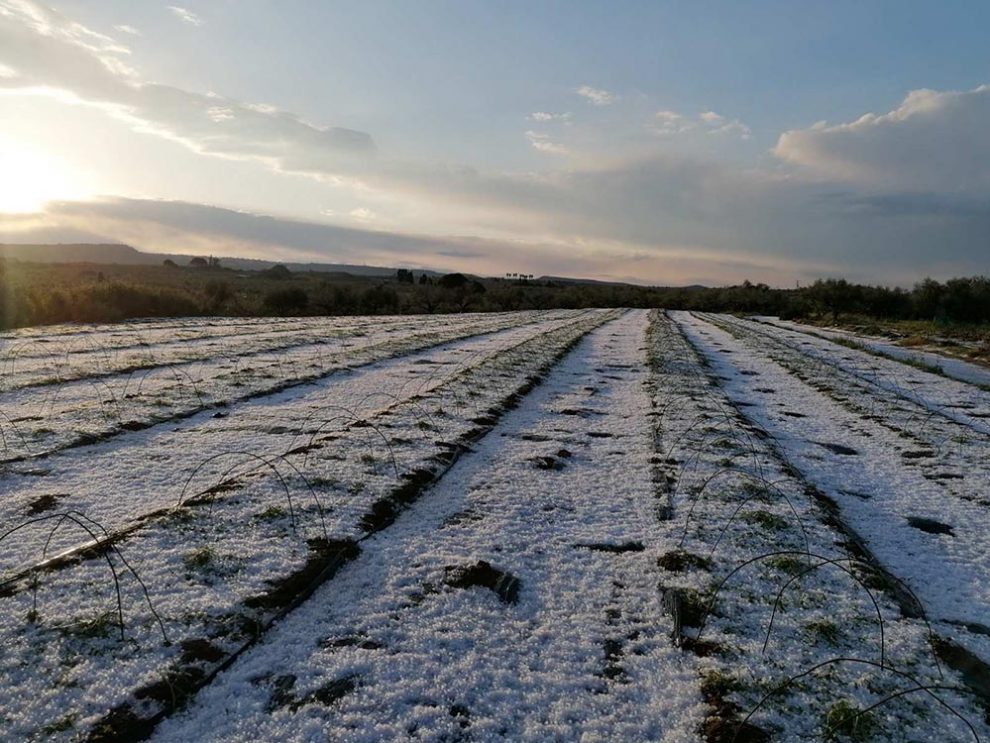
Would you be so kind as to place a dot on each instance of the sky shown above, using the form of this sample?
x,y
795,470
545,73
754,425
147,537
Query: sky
x,y
655,142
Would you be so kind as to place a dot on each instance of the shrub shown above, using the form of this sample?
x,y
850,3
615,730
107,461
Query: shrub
x,y
289,301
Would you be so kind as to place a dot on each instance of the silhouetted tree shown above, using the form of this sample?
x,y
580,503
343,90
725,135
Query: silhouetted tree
x,y
452,280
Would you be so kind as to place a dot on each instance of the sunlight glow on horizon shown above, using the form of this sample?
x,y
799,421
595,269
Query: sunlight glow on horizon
x,y
30,178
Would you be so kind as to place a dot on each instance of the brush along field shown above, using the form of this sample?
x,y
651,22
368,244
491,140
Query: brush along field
x,y
562,525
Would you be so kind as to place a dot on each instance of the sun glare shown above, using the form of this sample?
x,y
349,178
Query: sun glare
x,y
29,178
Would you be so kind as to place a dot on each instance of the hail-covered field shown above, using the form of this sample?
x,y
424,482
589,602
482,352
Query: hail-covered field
x,y
560,525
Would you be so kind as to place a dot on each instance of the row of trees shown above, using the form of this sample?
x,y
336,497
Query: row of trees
x,y
35,298
962,300
965,300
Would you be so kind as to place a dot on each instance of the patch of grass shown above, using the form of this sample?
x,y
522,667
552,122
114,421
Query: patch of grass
x,y
787,563
66,722
689,604
200,559
716,685
753,488
845,719
103,626
823,631
764,519
272,513
678,561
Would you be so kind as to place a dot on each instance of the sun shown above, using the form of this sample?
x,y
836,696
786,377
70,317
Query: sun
x,y
30,177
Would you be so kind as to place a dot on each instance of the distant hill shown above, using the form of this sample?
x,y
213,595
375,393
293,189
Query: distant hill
x,y
116,254
128,256
599,282
78,253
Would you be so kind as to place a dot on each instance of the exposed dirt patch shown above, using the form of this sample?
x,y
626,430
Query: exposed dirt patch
x,y
679,561
615,549
919,454
930,526
325,557
484,575
44,503
840,449
362,643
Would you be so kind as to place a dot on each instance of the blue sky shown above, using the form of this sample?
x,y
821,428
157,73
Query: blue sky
x,y
658,142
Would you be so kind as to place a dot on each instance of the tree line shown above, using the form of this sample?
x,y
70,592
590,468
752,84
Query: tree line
x,y
46,294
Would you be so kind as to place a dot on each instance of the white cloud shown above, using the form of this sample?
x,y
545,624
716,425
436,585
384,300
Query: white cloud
x,y
219,114
186,15
125,29
363,214
262,108
670,122
544,116
542,142
936,142
667,123
596,96
668,116
47,52
734,127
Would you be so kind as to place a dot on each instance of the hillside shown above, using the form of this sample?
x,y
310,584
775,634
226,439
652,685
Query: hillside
x,y
117,254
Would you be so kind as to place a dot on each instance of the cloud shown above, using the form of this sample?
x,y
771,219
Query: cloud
x,y
48,53
544,116
933,142
734,127
906,189
363,214
188,228
460,254
186,16
597,96
125,29
668,122
781,226
543,143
